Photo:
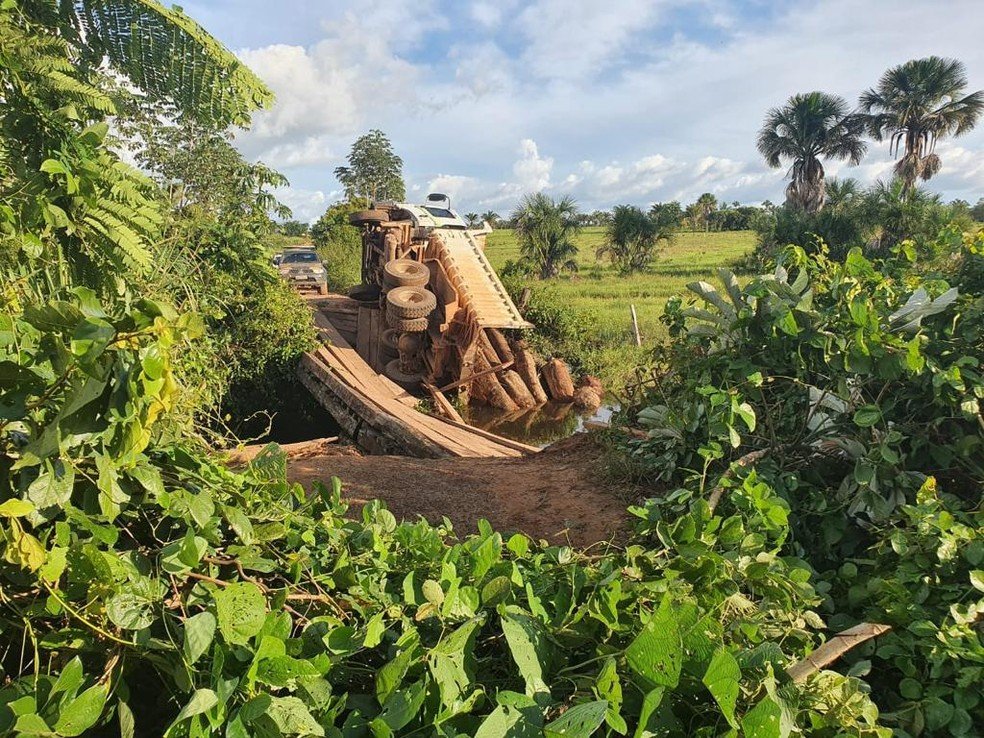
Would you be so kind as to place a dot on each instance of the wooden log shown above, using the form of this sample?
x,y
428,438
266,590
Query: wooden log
x,y
589,380
486,347
470,377
486,388
500,344
559,382
517,389
442,403
526,368
586,398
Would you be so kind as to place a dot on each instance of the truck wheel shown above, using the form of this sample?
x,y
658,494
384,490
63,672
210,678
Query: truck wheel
x,y
390,338
407,325
360,217
405,273
410,302
395,374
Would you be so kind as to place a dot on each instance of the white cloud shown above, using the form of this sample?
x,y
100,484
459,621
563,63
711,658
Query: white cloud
x,y
663,96
306,205
531,170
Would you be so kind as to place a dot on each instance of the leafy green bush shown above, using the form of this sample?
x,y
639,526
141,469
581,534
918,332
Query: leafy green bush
x,y
340,245
848,389
161,593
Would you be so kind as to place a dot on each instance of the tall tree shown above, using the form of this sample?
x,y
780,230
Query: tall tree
x,y
914,105
669,214
546,230
93,217
633,237
374,170
704,206
808,128
492,218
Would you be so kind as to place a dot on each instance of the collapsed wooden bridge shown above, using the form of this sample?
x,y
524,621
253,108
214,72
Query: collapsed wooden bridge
x,y
378,414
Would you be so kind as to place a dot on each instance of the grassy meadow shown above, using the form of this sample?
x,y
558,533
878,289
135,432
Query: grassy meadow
x,y
599,290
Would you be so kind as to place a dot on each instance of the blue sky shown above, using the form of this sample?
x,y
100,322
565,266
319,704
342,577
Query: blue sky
x,y
612,101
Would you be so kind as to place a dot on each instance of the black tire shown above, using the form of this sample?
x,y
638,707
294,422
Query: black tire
x,y
405,273
407,325
368,216
389,338
394,374
410,302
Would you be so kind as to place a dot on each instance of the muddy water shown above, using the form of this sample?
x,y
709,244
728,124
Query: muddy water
x,y
540,426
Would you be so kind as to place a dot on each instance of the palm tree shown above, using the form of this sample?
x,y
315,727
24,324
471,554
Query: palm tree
x,y
914,105
704,206
633,238
492,218
546,229
471,219
808,128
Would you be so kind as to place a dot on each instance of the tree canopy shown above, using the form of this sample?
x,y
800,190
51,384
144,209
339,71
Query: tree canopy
x,y
374,170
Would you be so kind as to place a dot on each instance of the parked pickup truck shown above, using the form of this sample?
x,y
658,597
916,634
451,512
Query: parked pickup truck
x,y
302,269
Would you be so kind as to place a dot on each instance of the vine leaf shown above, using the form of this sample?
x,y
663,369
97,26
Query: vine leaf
x,y
241,611
722,681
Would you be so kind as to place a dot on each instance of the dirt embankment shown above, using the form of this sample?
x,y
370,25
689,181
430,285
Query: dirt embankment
x,y
558,495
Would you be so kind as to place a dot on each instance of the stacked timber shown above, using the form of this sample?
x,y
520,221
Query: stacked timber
x,y
504,375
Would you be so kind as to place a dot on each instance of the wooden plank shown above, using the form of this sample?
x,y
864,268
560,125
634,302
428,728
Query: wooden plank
x,y
362,337
502,440
382,404
398,429
442,403
374,331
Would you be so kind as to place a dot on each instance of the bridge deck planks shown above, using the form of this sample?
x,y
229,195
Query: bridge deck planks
x,y
385,404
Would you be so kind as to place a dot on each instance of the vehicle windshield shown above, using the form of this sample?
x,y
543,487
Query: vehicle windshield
x,y
439,212
304,257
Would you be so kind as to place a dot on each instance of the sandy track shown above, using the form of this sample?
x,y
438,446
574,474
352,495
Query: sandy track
x,y
557,495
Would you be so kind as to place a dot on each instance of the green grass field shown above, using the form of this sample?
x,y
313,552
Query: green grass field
x,y
598,287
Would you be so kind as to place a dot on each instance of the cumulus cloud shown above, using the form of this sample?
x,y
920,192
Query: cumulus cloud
x,y
661,98
532,171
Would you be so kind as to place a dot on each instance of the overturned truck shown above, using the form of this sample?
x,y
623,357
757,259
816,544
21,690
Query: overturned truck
x,y
433,315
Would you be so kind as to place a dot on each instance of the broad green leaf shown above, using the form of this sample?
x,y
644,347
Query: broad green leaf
x,y
977,580
199,630
70,679
402,706
135,606
581,721
656,654
390,676
447,662
764,720
201,701
82,713
650,703
241,611
527,643
867,416
127,722
722,681
507,722
291,717
52,488
15,508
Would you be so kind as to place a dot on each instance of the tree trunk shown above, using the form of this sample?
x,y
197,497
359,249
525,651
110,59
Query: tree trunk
x,y
526,368
559,382
500,344
487,388
517,389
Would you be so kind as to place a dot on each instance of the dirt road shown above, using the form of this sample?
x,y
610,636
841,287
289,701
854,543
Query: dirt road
x,y
558,495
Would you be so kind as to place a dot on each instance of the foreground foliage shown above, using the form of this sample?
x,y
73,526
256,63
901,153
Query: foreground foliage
x,y
852,391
